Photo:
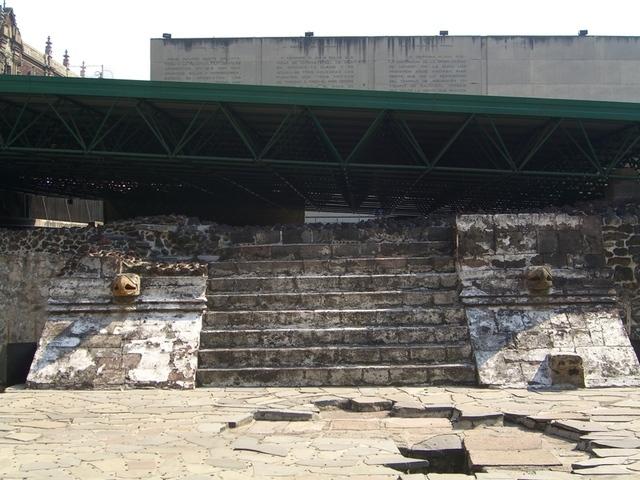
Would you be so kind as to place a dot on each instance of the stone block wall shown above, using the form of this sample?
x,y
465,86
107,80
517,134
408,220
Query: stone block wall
x,y
93,340
24,289
519,241
511,343
592,258
621,235
32,259
179,237
514,328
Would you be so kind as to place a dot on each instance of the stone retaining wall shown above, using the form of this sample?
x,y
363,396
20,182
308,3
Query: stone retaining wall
x,y
92,339
592,257
513,327
621,235
183,237
32,259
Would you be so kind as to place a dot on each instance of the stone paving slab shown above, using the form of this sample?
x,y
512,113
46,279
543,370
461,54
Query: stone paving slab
x,y
509,458
605,470
597,462
626,443
191,434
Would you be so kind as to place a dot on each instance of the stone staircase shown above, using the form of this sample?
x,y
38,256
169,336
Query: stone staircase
x,y
366,313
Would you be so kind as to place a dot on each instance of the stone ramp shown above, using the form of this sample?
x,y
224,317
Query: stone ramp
x,y
355,313
91,340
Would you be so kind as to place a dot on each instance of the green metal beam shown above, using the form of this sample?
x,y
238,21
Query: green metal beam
x,y
10,138
587,154
206,140
249,142
368,135
98,135
407,134
13,136
318,97
263,139
189,132
219,160
153,127
450,142
72,128
433,166
539,140
256,151
347,192
594,155
335,154
223,178
633,138
500,145
279,132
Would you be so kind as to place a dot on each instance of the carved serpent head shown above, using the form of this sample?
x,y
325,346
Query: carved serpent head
x,y
126,285
539,279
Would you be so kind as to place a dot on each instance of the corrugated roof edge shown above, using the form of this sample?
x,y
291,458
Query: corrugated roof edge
x,y
321,97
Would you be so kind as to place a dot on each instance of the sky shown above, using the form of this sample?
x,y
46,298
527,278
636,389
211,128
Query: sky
x,y
116,33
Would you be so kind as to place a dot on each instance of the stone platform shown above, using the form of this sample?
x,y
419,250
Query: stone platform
x,y
442,301
205,433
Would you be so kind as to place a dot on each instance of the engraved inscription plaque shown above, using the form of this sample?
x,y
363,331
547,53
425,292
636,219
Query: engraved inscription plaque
x,y
411,64
203,69
589,68
436,73
332,72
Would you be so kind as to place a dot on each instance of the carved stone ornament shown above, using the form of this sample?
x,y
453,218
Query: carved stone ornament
x,y
539,279
126,285
566,369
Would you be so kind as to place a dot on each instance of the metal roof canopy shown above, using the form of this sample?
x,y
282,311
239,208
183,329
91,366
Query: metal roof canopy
x,y
333,149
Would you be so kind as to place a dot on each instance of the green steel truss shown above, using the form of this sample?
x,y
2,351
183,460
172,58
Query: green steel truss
x,y
331,149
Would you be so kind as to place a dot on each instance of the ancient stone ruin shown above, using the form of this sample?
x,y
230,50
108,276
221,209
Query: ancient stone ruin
x,y
540,300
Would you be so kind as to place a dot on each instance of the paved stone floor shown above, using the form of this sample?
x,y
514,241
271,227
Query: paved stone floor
x,y
212,433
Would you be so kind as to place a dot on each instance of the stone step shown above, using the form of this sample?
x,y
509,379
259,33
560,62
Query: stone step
x,y
332,233
257,319
302,251
334,266
333,355
413,230
370,336
331,300
444,374
336,283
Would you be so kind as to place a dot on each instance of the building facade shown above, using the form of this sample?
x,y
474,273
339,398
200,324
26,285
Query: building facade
x,y
19,58
23,209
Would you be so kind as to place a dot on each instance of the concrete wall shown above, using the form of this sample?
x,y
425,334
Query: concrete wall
x,y
591,68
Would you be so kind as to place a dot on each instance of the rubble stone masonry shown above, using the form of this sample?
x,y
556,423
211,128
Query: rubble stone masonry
x,y
593,255
621,238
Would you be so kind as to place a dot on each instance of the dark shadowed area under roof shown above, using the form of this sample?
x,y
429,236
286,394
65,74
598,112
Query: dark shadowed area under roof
x,y
342,150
